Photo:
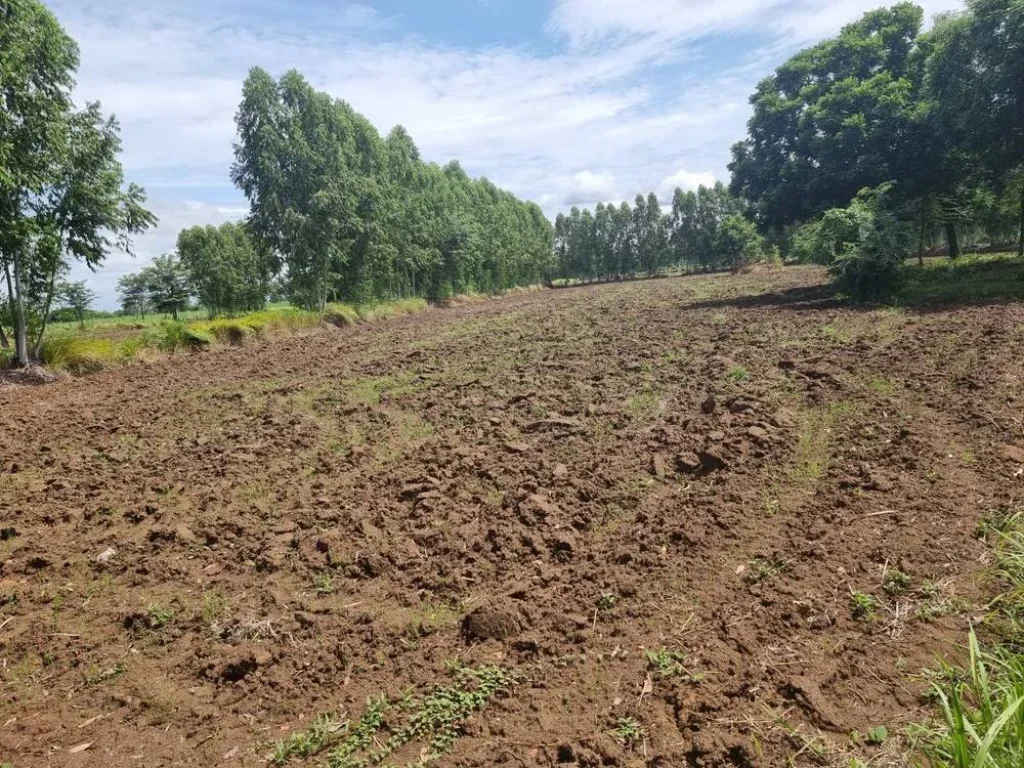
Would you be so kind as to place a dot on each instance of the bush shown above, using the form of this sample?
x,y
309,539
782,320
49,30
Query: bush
x,y
341,315
872,245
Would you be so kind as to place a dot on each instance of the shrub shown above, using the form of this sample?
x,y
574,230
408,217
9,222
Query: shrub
x,y
871,265
738,242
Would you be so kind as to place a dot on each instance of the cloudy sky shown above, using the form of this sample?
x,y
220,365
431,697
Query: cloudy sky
x,y
565,102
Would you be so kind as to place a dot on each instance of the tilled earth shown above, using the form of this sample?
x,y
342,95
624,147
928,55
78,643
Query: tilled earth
x,y
714,521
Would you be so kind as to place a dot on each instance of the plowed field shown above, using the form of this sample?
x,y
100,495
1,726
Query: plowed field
x,y
712,521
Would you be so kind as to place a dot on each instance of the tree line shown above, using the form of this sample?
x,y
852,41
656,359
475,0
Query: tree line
x,y
705,229
352,216
887,139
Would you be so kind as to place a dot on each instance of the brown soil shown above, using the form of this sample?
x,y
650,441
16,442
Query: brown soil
x,y
200,555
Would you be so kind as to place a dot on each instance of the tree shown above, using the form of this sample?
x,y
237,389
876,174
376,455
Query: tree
x,y
167,285
77,297
226,271
61,185
737,242
134,293
837,117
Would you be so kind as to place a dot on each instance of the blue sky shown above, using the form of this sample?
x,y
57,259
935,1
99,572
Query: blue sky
x,y
565,102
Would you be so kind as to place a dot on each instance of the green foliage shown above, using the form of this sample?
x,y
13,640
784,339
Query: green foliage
x,y
737,242
133,291
166,283
177,336
837,117
870,263
982,711
61,185
863,606
970,279
627,731
77,297
226,271
76,353
896,582
436,719
358,218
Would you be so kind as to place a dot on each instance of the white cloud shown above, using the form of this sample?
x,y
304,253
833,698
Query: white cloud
x,y
588,22
686,180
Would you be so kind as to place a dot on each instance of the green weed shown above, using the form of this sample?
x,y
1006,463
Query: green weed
x,y
863,606
627,731
896,582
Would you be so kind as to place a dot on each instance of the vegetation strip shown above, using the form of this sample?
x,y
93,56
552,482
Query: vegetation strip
x,y
982,706
87,352
436,719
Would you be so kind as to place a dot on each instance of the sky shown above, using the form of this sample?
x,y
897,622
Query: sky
x,y
564,102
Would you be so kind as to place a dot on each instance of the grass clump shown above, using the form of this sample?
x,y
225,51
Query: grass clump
x,y
896,582
627,731
78,353
177,336
982,706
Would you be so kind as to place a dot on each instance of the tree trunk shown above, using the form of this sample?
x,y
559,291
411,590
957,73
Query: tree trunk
x,y
4,343
920,241
18,310
952,240
46,315
1020,241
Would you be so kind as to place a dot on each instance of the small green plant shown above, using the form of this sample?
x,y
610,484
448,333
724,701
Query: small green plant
x,y
323,583
158,616
324,731
607,601
436,718
738,374
627,731
896,582
863,606
765,569
667,663
877,735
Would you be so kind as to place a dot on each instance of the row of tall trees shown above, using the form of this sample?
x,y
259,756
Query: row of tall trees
x,y
353,216
933,121
705,229
62,190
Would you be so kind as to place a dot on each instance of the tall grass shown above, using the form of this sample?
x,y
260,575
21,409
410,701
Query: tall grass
x,y
983,706
80,352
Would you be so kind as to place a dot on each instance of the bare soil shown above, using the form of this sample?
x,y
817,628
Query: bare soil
x,y
650,502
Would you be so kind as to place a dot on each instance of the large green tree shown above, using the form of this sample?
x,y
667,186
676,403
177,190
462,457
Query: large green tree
x,y
227,272
62,194
837,117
